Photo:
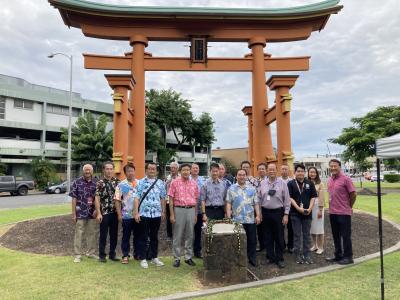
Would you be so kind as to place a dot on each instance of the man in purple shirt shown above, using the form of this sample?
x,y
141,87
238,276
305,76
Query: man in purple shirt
x,y
212,195
83,213
274,198
342,196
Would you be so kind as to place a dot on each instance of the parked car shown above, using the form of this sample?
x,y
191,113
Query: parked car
x,y
56,188
375,178
15,187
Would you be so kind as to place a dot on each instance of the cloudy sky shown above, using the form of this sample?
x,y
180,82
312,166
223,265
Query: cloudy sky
x,y
355,63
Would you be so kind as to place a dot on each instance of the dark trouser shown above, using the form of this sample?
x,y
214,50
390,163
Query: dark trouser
x,y
197,235
289,228
301,227
273,232
129,226
215,212
109,225
341,231
260,235
251,241
169,224
148,230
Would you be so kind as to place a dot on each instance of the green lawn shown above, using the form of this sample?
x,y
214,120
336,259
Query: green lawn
x,y
48,277
21,214
369,184
31,276
390,206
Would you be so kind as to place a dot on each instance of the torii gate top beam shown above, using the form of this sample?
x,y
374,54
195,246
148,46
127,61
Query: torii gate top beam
x,y
179,23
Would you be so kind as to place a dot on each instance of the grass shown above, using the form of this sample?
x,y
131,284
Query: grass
x,y
358,282
31,276
390,206
36,212
49,277
369,184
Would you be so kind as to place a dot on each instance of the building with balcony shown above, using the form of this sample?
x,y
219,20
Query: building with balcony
x,y
31,118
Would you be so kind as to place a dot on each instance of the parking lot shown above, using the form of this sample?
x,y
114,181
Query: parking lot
x,y
32,199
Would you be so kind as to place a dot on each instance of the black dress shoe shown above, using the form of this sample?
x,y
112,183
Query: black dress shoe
x,y
114,258
260,249
333,259
290,250
346,261
102,259
280,264
190,262
177,263
252,263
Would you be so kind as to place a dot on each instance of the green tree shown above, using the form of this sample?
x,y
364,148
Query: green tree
x,y
90,139
230,167
3,169
168,111
359,139
42,172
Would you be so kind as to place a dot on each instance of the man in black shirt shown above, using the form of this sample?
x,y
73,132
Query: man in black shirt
x,y
302,195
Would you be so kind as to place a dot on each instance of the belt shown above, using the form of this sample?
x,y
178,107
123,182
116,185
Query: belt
x,y
273,209
215,207
187,207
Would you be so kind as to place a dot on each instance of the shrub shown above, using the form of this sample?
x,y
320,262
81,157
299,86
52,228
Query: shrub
x,y
392,177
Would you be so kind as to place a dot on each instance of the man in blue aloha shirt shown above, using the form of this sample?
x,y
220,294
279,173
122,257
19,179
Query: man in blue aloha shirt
x,y
242,204
151,199
125,194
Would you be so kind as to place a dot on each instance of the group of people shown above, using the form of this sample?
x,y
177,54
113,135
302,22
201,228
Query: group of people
x,y
265,205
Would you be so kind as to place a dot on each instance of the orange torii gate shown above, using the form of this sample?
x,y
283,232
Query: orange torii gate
x,y
141,25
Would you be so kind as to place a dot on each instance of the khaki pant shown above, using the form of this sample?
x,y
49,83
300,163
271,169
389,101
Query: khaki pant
x,y
183,229
87,229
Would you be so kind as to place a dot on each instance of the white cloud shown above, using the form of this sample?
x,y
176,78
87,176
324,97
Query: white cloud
x,y
355,61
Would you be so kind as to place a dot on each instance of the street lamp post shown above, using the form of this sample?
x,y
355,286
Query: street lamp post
x,y
70,57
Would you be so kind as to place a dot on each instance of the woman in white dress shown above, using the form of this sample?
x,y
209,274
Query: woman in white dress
x,y
317,224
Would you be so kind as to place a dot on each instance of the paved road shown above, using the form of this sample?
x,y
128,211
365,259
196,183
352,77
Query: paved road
x,y
7,201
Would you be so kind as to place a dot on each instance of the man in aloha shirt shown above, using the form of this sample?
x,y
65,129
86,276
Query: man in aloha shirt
x,y
106,214
242,203
84,214
125,194
150,214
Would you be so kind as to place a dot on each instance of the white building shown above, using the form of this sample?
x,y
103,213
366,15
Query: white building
x,y
31,118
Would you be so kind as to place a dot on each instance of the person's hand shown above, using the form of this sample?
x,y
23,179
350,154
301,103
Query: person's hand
x,y
119,218
204,218
285,220
163,216
74,218
258,220
195,218
172,219
137,218
99,218
306,212
319,215
301,210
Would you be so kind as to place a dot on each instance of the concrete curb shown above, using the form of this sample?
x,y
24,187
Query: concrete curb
x,y
236,287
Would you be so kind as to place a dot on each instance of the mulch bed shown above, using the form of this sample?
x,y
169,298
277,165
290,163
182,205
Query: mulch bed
x,y
54,236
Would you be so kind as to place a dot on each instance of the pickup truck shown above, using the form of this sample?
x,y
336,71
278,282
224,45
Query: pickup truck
x,y
15,187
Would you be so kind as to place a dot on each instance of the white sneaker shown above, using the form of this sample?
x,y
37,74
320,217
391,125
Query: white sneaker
x,y
144,264
94,256
157,262
77,259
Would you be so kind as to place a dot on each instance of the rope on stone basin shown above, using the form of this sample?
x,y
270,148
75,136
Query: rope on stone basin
x,y
236,230
255,278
